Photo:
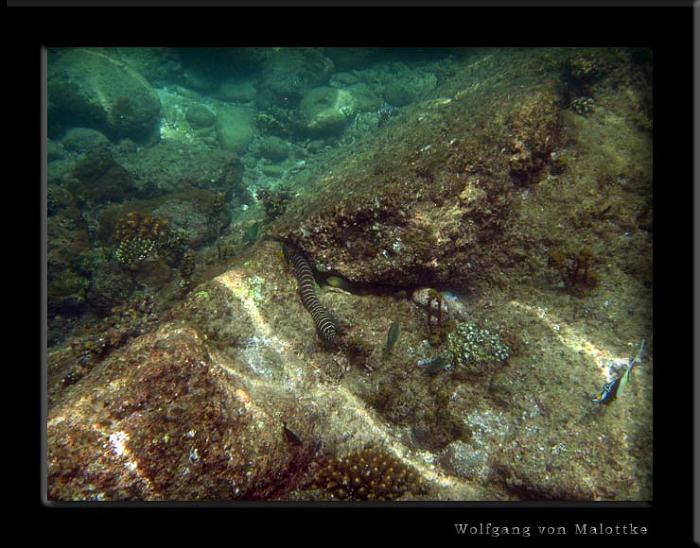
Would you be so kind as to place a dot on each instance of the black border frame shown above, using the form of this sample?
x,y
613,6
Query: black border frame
x,y
668,31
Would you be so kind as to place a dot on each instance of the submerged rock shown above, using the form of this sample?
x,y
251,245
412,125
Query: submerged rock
x,y
200,116
101,92
82,140
234,127
324,111
161,421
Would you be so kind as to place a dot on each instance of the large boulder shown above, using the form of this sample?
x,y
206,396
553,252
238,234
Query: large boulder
x,y
326,110
90,88
234,128
98,178
162,421
83,140
289,73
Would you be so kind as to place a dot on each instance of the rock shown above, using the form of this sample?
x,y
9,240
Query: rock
x,y
195,78
83,140
160,66
535,130
110,286
346,59
397,94
197,214
200,116
99,178
343,79
162,421
272,170
236,91
274,148
100,92
451,306
169,167
57,198
326,111
67,292
417,213
289,73
67,233
54,150
234,128
465,461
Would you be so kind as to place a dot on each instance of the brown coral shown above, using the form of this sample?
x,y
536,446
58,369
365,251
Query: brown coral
x,y
367,475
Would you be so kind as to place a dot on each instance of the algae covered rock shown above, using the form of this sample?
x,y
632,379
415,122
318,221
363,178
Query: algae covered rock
x,y
98,91
326,110
236,91
274,148
234,128
83,140
288,73
425,202
67,292
160,421
200,116
99,178
110,287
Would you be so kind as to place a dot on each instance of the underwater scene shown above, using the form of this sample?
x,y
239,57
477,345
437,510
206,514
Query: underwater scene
x,y
349,274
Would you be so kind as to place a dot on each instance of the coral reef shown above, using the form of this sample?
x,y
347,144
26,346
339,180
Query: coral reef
x,y
138,235
583,105
474,350
368,475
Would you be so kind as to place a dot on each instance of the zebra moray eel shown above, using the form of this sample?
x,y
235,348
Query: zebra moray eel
x,y
325,326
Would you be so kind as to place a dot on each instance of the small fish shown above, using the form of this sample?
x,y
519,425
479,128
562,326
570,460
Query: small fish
x,y
291,437
338,282
251,233
624,379
609,391
614,387
432,366
392,337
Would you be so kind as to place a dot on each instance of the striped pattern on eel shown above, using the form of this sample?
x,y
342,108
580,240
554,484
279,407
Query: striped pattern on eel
x,y
325,326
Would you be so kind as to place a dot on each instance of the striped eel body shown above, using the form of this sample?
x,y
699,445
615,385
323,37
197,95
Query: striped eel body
x,y
325,326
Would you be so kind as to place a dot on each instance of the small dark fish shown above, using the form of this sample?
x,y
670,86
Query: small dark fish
x,y
392,337
291,437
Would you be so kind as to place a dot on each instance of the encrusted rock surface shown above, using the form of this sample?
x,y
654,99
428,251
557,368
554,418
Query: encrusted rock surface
x,y
428,203
103,93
